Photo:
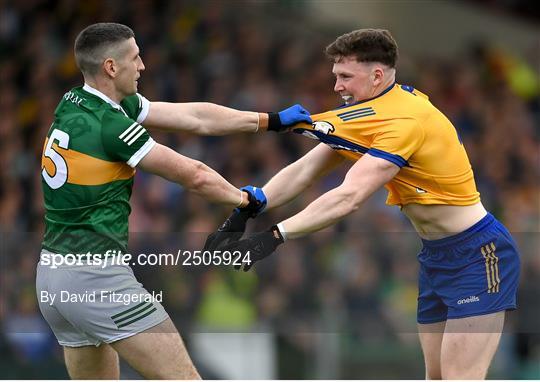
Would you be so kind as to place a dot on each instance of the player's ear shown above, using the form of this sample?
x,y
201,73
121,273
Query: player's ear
x,y
377,75
109,67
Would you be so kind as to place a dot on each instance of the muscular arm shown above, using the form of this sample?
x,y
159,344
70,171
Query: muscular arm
x,y
366,176
193,175
203,118
296,177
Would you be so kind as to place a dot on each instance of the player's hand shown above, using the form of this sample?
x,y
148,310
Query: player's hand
x,y
230,231
281,121
259,246
234,227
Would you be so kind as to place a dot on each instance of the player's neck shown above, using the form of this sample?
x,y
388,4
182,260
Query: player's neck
x,y
384,85
106,87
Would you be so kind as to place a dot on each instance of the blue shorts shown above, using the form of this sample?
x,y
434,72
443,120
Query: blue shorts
x,y
473,273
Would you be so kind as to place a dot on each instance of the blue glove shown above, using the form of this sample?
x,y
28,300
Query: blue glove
x,y
286,118
257,200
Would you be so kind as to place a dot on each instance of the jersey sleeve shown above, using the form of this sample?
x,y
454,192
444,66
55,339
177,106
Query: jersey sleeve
x,y
124,139
398,142
136,107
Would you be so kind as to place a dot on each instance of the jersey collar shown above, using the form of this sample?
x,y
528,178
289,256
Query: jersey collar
x,y
89,89
369,99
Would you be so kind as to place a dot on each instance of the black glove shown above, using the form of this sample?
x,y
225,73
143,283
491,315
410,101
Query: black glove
x,y
233,228
259,246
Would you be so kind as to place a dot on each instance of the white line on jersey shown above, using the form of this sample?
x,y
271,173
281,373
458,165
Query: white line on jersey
x,y
132,133
141,132
126,131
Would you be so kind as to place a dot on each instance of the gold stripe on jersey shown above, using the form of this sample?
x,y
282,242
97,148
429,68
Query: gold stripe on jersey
x,y
492,267
85,170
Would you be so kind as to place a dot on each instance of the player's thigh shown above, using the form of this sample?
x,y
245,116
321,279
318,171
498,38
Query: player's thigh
x,y
469,345
91,362
431,336
158,353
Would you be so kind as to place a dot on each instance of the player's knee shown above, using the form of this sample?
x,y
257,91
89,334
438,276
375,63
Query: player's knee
x,y
433,374
477,372
176,373
433,367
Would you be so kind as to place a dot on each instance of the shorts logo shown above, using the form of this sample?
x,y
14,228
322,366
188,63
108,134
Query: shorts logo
x,y
492,267
468,300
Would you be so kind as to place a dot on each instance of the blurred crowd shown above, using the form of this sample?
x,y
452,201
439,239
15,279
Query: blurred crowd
x,y
358,278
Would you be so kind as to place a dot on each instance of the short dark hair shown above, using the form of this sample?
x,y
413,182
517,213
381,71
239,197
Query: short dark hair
x,y
94,42
367,45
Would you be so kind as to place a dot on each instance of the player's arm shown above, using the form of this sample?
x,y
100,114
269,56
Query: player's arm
x,y
125,140
283,187
365,177
210,119
193,175
390,150
298,176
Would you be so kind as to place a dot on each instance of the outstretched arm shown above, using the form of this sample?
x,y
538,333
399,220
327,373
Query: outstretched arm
x,y
193,175
366,176
282,188
298,176
205,118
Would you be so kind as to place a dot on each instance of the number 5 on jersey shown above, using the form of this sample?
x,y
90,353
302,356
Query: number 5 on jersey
x,y
60,175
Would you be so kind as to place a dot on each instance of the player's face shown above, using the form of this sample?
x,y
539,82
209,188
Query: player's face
x,y
130,68
355,81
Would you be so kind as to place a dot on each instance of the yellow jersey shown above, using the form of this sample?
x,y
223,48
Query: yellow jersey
x,y
402,126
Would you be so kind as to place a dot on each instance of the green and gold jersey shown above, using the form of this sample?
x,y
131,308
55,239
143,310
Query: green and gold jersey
x,y
87,172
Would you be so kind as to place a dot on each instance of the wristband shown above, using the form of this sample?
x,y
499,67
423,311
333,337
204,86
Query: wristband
x,y
241,199
274,122
258,122
282,231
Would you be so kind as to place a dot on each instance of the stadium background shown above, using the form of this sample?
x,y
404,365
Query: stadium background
x,y
341,303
